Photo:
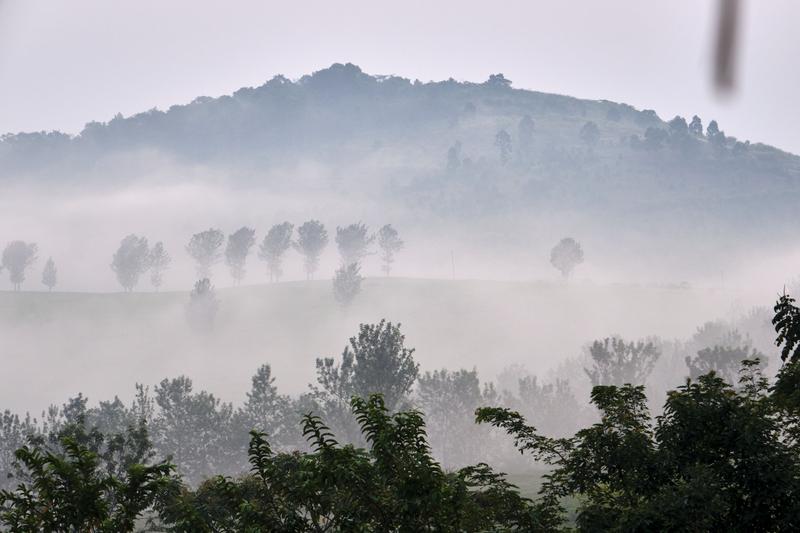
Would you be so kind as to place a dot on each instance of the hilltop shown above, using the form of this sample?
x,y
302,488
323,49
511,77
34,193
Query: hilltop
x,y
454,148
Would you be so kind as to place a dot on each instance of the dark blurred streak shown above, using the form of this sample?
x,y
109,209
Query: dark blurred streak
x,y
726,45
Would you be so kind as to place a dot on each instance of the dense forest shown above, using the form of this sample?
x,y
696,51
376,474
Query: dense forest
x,y
356,452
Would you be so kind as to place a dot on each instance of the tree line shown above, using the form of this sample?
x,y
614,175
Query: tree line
x,y
207,248
381,446
135,257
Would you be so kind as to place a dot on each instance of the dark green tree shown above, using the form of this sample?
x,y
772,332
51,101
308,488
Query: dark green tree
x,y
717,459
393,485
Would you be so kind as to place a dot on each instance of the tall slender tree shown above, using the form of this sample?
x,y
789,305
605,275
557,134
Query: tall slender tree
x,y
205,249
390,243
49,274
274,246
159,262
130,261
237,250
312,238
353,242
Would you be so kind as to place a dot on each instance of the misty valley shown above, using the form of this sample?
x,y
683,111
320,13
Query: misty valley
x,y
354,302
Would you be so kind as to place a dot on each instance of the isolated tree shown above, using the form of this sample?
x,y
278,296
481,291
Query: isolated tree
x,y
389,243
712,129
276,243
503,143
616,362
353,242
237,250
130,261
347,284
696,126
566,255
498,81
590,134
312,238
202,308
205,249
159,262
17,257
50,274
715,136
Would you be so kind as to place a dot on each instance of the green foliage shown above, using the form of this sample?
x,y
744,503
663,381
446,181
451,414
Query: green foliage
x,y
395,485
787,326
718,458
73,490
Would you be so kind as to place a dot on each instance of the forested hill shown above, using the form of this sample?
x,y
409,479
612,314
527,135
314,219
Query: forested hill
x,y
451,146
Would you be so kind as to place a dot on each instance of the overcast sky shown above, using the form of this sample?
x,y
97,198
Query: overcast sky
x,y
66,62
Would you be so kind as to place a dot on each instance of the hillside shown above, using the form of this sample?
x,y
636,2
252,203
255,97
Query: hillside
x,y
101,344
454,148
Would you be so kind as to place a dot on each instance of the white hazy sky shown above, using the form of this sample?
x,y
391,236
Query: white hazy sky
x,y
66,62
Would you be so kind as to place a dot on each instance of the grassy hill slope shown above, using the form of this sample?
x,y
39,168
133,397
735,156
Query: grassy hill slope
x,y
59,344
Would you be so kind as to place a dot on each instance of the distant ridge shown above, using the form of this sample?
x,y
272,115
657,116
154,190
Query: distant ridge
x,y
451,145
